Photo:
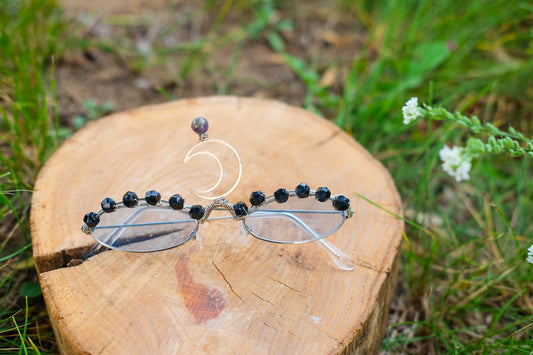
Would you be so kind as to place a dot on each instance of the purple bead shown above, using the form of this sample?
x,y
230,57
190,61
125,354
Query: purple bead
x,y
200,125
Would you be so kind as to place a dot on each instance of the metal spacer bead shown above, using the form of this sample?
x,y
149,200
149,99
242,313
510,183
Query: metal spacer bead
x,y
349,213
85,229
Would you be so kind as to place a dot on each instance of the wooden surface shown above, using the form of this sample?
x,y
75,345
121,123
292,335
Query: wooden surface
x,y
226,298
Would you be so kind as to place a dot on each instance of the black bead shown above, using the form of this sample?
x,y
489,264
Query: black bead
x,y
196,212
341,203
281,195
322,194
176,202
241,209
130,199
257,198
302,190
91,219
152,197
108,205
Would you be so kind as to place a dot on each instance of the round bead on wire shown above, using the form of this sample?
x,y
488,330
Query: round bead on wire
x,y
200,126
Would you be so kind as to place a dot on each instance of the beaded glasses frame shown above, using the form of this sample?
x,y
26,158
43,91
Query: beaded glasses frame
x,y
152,224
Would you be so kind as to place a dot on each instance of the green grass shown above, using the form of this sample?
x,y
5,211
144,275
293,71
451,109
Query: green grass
x,y
464,275
465,285
29,37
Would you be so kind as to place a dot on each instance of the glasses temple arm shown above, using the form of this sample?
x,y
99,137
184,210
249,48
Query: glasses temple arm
x,y
339,258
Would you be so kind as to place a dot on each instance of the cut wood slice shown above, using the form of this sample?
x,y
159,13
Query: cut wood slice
x,y
222,296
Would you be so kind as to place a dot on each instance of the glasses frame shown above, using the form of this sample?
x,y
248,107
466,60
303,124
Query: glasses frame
x,y
348,213
237,212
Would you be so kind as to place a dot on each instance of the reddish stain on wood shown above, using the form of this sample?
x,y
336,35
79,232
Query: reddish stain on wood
x,y
204,303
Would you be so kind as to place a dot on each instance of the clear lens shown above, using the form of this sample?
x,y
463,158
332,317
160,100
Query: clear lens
x,y
144,229
298,220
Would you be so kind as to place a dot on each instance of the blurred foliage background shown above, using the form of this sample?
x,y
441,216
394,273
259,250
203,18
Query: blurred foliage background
x,y
464,287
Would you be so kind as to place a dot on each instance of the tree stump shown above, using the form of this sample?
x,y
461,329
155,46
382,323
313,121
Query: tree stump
x,y
227,297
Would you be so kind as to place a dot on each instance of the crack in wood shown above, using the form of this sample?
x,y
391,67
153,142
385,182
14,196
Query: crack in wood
x,y
284,284
226,280
261,298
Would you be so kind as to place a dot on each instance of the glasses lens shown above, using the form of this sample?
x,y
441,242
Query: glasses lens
x,y
298,220
144,229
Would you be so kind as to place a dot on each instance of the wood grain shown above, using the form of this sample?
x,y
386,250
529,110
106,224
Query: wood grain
x,y
227,297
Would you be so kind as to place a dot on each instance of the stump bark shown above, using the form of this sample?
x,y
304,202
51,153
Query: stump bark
x,y
226,297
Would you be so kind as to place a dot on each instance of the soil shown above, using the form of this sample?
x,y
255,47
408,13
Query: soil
x,y
123,62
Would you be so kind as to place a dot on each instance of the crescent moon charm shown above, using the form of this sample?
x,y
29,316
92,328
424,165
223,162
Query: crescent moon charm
x,y
203,193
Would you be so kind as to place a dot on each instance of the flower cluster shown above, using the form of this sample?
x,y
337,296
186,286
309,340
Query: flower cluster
x,y
455,162
411,111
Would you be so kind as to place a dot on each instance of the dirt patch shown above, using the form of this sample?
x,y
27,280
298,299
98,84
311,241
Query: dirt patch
x,y
98,76
143,52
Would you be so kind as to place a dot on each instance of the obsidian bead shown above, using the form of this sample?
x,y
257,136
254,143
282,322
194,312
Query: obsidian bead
x,y
91,219
108,205
130,199
341,203
302,190
241,209
196,212
281,195
257,198
152,197
322,194
176,202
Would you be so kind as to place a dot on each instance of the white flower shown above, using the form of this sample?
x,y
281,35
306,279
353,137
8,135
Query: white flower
x,y
411,111
530,254
455,163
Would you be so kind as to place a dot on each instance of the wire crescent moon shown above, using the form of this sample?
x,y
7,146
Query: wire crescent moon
x,y
202,192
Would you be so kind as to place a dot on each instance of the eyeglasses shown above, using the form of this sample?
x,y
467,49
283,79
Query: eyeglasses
x,y
152,224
